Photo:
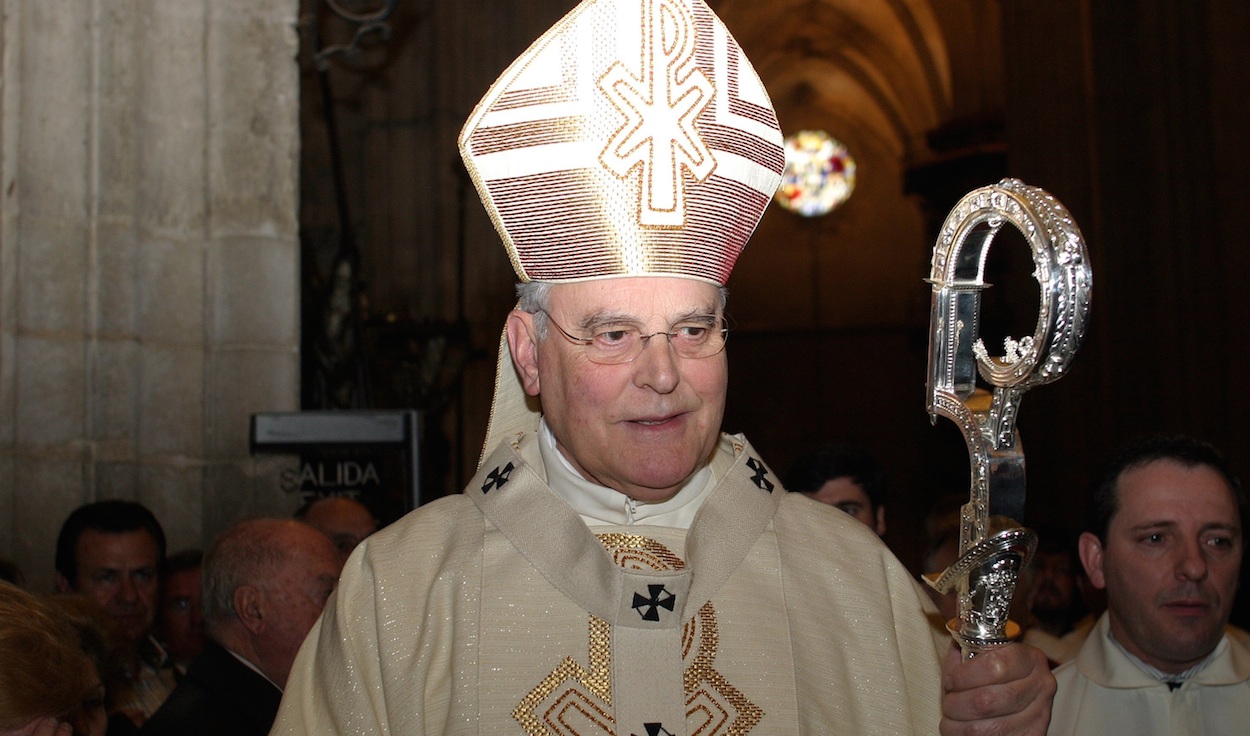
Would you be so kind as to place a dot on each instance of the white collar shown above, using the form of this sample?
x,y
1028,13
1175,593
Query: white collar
x,y
248,663
598,505
1173,678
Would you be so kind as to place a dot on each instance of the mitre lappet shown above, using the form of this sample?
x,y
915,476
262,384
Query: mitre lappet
x,y
633,138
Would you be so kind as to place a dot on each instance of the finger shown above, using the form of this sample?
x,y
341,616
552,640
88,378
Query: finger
x,y
1012,682
1034,720
990,667
43,727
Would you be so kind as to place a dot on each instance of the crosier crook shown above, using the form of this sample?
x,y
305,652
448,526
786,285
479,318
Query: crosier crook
x,y
993,547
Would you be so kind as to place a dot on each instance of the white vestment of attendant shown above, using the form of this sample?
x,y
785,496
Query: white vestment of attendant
x,y
500,611
1103,692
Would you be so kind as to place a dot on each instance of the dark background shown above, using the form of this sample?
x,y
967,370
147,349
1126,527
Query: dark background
x,y
1133,113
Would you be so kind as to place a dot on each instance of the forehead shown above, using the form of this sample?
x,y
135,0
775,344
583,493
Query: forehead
x,y
183,581
843,489
1165,490
95,546
338,513
639,297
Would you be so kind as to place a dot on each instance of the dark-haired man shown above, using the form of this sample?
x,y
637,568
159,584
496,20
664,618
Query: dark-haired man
x,y
1166,543
180,623
112,551
845,477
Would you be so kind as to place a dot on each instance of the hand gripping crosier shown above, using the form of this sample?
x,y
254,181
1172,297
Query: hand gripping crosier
x,y
993,547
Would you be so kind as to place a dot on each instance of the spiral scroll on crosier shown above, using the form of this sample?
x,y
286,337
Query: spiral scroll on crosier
x,y
985,575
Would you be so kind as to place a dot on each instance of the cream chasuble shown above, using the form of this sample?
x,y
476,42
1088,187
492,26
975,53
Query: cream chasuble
x,y
501,612
1102,691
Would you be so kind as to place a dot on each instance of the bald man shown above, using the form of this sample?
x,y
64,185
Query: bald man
x,y
265,583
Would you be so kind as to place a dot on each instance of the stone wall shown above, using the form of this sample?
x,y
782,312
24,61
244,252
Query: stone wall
x,y
148,260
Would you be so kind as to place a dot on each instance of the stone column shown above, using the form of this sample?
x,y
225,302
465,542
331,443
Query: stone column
x,y
148,260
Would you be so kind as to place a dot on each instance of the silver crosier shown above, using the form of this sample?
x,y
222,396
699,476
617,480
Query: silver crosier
x,y
993,547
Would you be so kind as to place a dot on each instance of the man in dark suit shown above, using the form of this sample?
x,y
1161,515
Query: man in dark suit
x,y
265,582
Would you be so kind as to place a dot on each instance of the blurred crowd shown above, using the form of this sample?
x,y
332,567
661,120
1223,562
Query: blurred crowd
x,y
136,640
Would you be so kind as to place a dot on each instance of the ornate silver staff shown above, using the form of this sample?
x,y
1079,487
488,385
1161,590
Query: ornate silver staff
x,y
993,547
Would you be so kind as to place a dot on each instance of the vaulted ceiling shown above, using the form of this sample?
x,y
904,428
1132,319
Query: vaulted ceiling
x,y
887,78
878,69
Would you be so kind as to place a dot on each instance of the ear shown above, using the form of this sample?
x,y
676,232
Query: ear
x,y
1091,558
62,584
523,345
880,521
249,606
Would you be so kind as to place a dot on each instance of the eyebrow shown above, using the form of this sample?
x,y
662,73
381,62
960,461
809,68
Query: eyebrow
x,y
1221,526
123,568
601,318
1169,524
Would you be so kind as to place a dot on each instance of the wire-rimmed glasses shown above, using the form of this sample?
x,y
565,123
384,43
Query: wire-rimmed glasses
x,y
701,336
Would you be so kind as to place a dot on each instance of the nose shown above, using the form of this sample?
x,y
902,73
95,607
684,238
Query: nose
x,y
656,366
126,590
1191,562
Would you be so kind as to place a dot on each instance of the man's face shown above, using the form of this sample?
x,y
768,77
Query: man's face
x,y
1170,564
1054,587
345,521
180,614
849,496
120,572
296,591
642,427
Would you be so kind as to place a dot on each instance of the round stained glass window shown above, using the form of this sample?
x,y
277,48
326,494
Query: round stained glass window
x,y
819,175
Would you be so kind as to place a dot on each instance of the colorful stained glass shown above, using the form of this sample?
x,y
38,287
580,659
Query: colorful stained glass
x,y
819,176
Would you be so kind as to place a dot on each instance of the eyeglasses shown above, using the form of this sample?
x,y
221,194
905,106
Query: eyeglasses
x,y
696,337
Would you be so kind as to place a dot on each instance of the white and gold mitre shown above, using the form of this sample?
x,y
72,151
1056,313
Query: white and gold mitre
x,y
633,138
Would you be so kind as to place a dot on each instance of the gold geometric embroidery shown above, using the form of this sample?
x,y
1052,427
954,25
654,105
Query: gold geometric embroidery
x,y
636,552
558,705
577,701
713,706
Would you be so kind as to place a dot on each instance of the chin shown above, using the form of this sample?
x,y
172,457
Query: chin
x,y
659,488
653,495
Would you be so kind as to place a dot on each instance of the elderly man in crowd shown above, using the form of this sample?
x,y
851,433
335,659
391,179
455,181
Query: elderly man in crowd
x,y
265,583
619,566
1166,543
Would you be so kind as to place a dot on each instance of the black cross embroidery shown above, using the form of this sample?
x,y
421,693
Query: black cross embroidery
x,y
654,603
655,729
497,478
760,471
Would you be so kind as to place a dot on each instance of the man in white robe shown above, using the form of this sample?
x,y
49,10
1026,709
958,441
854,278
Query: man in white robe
x,y
1167,547
618,566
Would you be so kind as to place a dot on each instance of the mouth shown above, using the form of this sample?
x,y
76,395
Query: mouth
x,y
1188,608
657,421
130,616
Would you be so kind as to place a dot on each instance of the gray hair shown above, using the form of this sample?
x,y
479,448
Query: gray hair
x,y
236,558
535,297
